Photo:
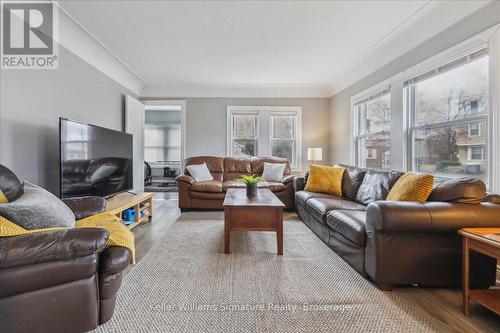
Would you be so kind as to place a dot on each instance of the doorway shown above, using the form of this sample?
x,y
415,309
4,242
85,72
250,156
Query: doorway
x,y
164,144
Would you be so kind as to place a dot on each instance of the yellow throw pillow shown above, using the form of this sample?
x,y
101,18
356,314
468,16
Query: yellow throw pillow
x,y
412,187
325,179
3,198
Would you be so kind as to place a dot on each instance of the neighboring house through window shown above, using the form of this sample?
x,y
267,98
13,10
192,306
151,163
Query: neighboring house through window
x,y
448,112
372,130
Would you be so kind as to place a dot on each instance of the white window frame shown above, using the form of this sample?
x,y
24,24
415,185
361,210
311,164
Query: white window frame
x,y
373,154
230,126
469,153
264,129
378,90
459,59
478,130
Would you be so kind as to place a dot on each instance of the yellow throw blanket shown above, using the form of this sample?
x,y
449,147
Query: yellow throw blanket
x,y
119,235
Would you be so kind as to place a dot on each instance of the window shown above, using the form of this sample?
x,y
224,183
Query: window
x,y
448,110
476,153
244,135
371,154
162,142
474,129
373,142
265,131
283,137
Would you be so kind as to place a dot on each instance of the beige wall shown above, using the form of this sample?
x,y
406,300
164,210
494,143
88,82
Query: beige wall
x,y
340,103
206,123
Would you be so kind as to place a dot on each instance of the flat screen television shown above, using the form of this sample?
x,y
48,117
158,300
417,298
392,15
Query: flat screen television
x,y
94,160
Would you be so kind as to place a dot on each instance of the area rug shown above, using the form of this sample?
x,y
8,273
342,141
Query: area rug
x,y
185,283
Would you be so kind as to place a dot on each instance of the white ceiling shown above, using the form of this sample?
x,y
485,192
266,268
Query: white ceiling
x,y
222,48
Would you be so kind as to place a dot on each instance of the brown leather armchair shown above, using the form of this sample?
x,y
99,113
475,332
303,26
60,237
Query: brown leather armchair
x,y
60,281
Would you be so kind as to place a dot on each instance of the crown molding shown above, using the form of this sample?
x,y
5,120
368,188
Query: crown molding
x,y
250,91
74,37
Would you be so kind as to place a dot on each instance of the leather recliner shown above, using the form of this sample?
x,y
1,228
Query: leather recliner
x,y
60,281
226,171
401,243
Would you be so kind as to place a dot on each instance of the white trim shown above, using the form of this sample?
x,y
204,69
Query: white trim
x,y
494,115
182,104
268,110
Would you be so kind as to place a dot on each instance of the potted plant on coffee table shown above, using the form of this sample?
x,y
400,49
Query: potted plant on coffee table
x,y
251,184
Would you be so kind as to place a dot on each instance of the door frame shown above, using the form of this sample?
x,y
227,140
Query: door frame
x,y
182,104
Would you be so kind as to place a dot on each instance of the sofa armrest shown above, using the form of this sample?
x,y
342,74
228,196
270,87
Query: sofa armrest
x,y
185,178
114,259
299,183
84,207
288,179
59,245
493,198
433,217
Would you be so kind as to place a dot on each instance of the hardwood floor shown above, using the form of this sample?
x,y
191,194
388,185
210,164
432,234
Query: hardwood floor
x,y
442,307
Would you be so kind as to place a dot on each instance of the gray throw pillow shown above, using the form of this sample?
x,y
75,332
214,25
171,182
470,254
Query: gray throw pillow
x,y
376,185
38,209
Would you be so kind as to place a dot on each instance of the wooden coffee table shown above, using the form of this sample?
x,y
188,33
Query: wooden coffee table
x,y
485,241
263,212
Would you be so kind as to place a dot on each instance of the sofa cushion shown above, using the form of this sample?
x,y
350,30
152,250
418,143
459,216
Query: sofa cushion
x,y
353,177
463,190
211,186
273,172
376,185
38,209
325,179
200,172
10,185
257,164
412,187
232,184
349,223
302,196
234,167
273,186
215,165
320,207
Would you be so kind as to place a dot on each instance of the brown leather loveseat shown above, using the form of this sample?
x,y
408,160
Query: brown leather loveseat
x,y
395,242
63,280
226,172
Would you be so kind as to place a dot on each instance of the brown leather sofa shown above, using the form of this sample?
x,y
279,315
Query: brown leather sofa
x,y
226,172
400,243
60,281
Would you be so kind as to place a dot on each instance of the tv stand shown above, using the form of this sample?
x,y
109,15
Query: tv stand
x,y
140,201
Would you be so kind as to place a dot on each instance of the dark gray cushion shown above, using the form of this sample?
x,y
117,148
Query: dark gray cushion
x,y
353,177
10,185
349,223
463,190
37,209
376,185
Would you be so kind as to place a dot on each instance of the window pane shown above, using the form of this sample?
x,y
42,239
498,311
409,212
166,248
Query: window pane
x,y
284,149
374,122
244,147
244,126
451,151
283,127
375,151
378,115
456,94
